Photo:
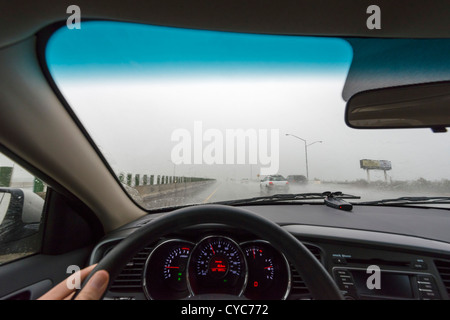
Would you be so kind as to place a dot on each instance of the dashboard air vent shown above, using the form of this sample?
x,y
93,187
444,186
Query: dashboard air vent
x,y
298,286
131,276
316,251
443,267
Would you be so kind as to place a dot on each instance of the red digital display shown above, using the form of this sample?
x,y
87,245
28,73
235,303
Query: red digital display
x,y
218,266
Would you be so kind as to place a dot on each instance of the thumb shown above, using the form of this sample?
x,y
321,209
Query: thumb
x,y
95,287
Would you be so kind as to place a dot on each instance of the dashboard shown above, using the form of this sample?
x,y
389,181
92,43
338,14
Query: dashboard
x,y
218,260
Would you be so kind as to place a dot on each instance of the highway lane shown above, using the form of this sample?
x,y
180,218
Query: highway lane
x,y
232,190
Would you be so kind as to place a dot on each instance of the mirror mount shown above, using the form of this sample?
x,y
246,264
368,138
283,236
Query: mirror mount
x,y
439,129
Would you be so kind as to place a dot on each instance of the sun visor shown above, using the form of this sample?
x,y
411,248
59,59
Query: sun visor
x,y
381,63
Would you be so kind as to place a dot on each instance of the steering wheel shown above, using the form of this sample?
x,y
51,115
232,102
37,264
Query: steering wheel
x,y
316,278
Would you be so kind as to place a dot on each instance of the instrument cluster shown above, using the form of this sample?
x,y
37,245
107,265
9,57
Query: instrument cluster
x,y
180,269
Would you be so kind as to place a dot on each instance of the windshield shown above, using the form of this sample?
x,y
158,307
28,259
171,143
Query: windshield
x,y
275,178
191,116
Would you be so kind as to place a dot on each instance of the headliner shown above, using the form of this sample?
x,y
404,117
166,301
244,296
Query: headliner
x,y
21,19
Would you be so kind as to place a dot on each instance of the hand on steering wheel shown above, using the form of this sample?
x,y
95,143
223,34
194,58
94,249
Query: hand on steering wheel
x,y
93,290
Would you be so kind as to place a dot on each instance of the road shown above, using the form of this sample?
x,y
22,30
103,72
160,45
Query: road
x,y
232,190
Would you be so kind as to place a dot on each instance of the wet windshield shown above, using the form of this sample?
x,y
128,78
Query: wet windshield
x,y
190,116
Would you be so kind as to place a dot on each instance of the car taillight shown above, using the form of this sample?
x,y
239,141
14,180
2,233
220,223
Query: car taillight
x,y
270,182
287,182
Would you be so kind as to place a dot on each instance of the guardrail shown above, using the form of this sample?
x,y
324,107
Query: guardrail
x,y
145,187
136,180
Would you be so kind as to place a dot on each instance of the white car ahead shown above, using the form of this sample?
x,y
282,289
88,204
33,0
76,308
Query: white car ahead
x,y
275,182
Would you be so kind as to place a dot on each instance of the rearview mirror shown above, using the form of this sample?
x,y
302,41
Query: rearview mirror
x,y
414,106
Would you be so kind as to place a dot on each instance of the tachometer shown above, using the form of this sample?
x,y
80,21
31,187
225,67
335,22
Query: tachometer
x,y
165,271
175,264
217,265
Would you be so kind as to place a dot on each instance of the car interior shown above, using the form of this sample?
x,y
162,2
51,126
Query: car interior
x,y
103,190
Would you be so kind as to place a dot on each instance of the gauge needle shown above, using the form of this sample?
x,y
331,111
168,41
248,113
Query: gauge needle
x,y
172,267
212,249
254,257
268,267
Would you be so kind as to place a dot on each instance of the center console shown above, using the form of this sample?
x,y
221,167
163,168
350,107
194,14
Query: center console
x,y
359,283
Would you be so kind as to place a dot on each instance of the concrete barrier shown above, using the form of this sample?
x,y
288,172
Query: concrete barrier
x,y
148,192
145,187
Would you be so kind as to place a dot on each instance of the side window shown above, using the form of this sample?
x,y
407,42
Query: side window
x,y
21,206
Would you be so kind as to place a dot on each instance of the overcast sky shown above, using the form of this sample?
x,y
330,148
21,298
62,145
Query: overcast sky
x,y
132,94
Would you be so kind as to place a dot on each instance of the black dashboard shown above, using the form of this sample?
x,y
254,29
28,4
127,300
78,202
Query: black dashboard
x,y
215,259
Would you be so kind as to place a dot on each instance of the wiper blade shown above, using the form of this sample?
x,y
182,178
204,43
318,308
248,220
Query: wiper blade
x,y
409,200
289,197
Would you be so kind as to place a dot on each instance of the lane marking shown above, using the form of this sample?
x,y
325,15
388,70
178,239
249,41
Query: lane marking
x,y
209,197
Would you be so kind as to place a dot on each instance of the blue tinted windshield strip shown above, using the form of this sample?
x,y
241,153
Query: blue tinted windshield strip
x,y
112,47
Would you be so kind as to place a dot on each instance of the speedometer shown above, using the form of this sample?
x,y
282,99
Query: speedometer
x,y
217,265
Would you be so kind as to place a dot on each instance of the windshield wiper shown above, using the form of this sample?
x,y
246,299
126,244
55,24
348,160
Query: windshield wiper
x,y
290,197
409,200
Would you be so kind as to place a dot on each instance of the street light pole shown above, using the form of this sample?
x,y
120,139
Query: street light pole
x,y
306,160
306,151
